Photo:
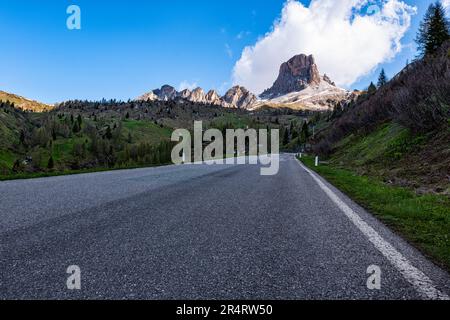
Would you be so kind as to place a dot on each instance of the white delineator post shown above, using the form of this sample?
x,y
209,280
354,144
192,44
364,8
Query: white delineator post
x,y
317,161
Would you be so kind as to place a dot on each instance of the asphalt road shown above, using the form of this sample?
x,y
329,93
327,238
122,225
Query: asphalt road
x,y
200,232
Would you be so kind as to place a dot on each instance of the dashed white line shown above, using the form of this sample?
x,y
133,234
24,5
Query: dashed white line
x,y
423,284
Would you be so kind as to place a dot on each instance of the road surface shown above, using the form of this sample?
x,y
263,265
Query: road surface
x,y
201,232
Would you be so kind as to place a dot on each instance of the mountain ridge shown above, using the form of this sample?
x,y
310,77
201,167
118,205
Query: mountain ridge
x,y
299,86
237,97
25,104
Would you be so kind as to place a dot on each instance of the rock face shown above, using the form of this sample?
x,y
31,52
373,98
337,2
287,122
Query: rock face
x,y
236,97
185,94
295,75
327,79
213,97
198,95
166,93
239,97
148,97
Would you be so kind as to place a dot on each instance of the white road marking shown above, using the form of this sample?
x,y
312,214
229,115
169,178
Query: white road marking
x,y
417,278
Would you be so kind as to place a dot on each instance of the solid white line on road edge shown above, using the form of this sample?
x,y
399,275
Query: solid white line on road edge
x,y
417,278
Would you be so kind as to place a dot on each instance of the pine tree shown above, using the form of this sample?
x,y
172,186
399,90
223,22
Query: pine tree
x,y
108,133
382,79
76,127
292,130
79,120
434,30
286,137
22,136
304,135
372,88
51,163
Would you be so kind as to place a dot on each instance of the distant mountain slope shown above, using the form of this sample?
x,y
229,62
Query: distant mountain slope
x,y
24,103
318,97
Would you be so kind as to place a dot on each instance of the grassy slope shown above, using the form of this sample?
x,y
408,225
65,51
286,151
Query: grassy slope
x,y
9,136
62,148
23,103
145,131
361,168
395,155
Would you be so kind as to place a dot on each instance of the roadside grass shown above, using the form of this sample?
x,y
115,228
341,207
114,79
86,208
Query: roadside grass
x,y
57,173
419,161
423,220
383,146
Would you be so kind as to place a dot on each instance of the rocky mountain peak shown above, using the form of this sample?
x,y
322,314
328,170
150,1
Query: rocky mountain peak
x,y
166,92
295,75
299,86
327,79
213,97
197,95
240,97
185,94
150,96
236,97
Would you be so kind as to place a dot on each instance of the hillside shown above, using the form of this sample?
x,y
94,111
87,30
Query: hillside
x,y
82,135
24,103
401,133
34,144
12,122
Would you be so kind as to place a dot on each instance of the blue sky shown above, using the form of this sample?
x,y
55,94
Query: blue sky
x,y
126,48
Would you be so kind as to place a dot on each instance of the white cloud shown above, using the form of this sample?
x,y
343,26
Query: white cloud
x,y
347,37
187,85
446,4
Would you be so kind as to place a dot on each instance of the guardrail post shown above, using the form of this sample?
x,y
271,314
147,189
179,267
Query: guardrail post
x,y
317,161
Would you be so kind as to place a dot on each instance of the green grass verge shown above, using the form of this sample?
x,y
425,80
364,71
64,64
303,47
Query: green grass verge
x,y
423,220
385,145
